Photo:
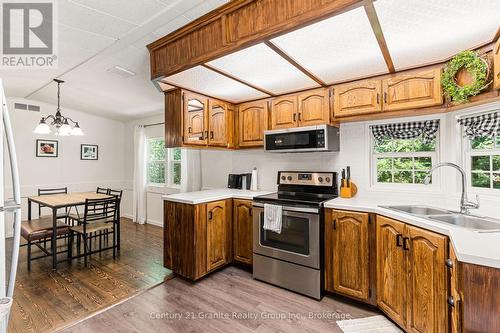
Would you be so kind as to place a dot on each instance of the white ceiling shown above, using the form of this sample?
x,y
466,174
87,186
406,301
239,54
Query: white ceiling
x,y
96,35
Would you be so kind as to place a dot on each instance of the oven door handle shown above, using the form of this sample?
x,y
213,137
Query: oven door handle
x,y
291,209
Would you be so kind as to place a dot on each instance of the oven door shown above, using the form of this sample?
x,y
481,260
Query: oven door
x,y
298,241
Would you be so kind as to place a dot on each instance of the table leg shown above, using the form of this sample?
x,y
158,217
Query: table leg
x,y
54,238
29,209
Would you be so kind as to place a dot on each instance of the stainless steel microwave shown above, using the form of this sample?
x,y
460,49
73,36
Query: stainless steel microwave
x,y
302,139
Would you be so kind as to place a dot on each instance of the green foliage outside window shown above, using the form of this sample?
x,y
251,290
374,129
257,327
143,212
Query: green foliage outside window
x,y
403,169
156,161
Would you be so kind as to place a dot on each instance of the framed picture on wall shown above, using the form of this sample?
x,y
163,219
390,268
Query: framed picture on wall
x,y
89,152
47,148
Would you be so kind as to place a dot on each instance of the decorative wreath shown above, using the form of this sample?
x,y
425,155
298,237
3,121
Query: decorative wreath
x,y
472,63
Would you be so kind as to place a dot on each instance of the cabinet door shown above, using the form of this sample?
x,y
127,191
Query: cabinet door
x,y
351,268
284,112
413,90
242,231
252,119
427,281
391,277
352,99
195,127
217,123
216,234
314,107
496,65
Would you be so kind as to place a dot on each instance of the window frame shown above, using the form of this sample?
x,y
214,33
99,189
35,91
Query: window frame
x,y
467,155
435,186
169,168
148,161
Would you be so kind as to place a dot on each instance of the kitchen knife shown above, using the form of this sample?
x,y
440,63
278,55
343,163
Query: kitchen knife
x,y
348,176
342,181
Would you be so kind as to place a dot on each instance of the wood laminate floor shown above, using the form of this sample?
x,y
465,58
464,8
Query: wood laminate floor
x,y
47,300
181,306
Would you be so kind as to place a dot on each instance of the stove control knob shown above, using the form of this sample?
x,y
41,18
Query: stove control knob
x,y
320,179
289,178
283,177
327,179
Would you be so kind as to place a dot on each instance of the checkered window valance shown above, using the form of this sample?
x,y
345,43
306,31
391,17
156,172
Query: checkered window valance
x,y
480,126
425,129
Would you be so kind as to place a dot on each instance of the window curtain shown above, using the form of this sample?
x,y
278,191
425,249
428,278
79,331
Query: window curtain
x,y
191,170
139,203
410,130
480,126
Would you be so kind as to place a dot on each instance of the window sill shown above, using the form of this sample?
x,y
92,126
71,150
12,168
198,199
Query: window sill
x,y
405,188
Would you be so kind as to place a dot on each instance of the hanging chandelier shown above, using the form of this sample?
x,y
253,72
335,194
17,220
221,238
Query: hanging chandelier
x,y
60,123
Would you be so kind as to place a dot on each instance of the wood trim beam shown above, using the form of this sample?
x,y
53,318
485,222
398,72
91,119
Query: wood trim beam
x,y
379,35
237,79
497,35
292,61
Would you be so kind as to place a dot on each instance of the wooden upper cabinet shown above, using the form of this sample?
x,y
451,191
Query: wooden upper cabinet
x,y
217,221
496,65
218,123
195,123
391,271
313,107
242,231
252,119
413,90
284,112
357,98
427,281
351,269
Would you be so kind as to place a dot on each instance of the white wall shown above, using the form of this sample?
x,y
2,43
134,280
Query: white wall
x,y
154,202
67,169
354,152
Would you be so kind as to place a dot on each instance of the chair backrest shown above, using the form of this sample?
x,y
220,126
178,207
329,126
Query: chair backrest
x,y
50,191
117,193
102,190
100,209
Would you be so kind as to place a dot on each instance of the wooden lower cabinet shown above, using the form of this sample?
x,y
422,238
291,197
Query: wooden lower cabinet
x,y
391,272
411,276
347,269
197,238
242,231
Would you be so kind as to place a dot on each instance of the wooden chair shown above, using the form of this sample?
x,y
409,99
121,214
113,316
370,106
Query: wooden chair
x,y
39,231
99,215
118,194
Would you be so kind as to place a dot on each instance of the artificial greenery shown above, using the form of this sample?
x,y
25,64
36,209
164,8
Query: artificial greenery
x,y
472,63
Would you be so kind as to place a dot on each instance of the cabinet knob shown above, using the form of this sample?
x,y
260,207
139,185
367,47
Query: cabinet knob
x,y
451,301
449,263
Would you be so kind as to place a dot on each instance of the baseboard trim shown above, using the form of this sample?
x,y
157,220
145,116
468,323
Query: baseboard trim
x,y
154,222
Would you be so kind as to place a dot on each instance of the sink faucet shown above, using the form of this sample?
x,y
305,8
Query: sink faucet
x,y
465,204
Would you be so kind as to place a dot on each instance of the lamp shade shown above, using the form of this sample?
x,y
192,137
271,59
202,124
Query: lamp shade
x,y
76,130
42,128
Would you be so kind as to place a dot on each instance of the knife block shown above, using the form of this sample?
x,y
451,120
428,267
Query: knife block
x,y
348,191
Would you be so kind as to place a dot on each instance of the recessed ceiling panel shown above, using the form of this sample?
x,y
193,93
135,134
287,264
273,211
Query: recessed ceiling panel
x,y
264,68
340,48
421,32
206,81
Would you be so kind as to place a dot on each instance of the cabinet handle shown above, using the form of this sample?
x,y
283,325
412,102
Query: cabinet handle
x,y
406,243
378,98
206,134
211,134
190,129
294,117
250,212
449,263
451,301
334,224
385,98
300,116
399,239
209,215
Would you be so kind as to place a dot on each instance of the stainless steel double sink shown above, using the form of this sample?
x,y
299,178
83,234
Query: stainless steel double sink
x,y
471,222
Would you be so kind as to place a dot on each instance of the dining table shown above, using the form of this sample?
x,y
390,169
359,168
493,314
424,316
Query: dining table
x,y
65,201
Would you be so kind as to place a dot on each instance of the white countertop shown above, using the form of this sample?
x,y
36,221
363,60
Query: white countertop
x,y
470,246
204,196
